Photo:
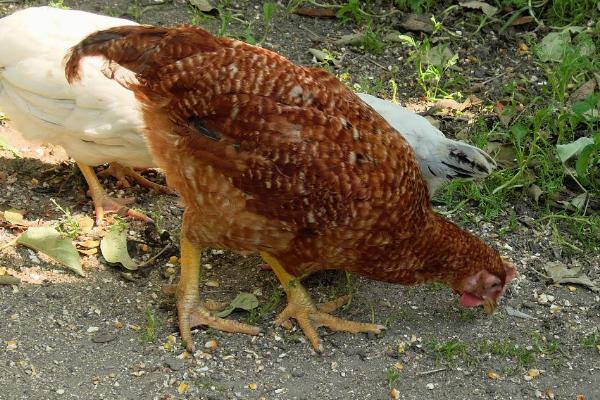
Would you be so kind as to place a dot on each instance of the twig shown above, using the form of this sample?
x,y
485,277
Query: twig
x,y
311,32
433,371
379,65
154,257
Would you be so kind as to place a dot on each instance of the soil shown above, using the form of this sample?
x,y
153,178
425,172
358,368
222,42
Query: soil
x,y
69,337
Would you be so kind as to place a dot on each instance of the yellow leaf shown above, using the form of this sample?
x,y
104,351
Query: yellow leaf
x,y
183,388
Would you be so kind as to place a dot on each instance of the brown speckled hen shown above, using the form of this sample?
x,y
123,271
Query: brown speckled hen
x,y
284,160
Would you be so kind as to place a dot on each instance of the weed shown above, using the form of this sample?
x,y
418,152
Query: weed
x,y
506,348
59,4
351,11
449,350
268,12
371,42
149,330
135,10
119,224
67,226
591,341
265,308
432,64
415,6
392,374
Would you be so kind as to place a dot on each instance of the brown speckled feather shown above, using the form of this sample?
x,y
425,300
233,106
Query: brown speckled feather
x,y
272,156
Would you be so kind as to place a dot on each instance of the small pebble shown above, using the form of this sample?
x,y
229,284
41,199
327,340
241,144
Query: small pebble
x,y
175,364
430,386
60,391
104,337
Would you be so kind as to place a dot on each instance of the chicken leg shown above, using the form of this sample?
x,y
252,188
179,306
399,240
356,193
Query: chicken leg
x,y
308,315
103,203
190,311
121,173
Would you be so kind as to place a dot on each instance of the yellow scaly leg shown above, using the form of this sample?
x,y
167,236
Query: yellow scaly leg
x,y
103,203
308,315
190,311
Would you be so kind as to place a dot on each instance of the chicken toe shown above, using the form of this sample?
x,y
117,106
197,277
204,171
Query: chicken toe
x,y
121,173
308,315
103,203
190,311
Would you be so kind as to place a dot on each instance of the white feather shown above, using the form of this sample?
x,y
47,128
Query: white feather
x,y
97,121
441,159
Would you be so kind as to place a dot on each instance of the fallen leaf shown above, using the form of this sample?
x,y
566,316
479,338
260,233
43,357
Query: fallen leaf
x,y
14,217
535,192
455,105
553,46
203,5
526,19
49,241
316,12
351,39
182,388
492,375
88,244
324,56
86,223
570,150
417,23
505,154
480,5
583,92
88,252
559,273
438,55
114,249
244,301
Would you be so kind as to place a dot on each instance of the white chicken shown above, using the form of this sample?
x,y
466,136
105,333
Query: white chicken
x,y
96,122
441,159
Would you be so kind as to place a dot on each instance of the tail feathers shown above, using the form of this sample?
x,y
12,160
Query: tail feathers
x,y
465,161
140,49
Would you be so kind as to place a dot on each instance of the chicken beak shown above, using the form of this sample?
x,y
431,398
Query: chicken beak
x,y
489,305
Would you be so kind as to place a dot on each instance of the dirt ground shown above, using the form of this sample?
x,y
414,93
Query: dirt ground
x,y
68,337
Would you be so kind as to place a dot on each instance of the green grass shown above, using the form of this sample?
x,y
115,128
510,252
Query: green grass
x,y
392,375
148,334
508,349
591,341
265,307
68,226
449,351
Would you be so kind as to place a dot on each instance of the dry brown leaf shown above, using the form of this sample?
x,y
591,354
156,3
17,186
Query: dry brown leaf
x,y
316,12
583,92
417,23
526,19
455,105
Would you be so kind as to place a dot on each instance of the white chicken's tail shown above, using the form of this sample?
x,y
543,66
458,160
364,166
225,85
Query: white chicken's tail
x,y
449,159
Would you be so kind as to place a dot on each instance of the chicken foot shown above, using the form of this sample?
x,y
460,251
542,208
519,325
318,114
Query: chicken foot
x,y
190,310
121,173
308,315
103,203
